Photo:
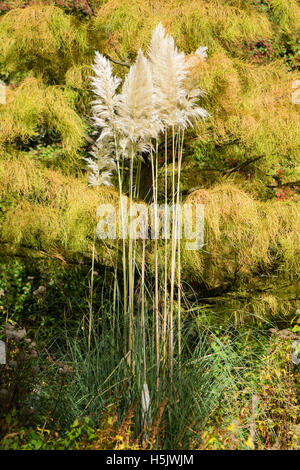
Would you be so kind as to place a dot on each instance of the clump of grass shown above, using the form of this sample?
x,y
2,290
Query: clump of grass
x,y
217,364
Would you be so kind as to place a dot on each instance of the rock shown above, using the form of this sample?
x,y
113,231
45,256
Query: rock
x,y
11,333
296,352
40,291
2,353
65,370
284,334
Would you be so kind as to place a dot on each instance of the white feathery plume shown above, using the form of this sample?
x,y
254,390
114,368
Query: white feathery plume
x,y
104,115
170,69
194,111
103,179
190,109
155,94
196,58
92,165
95,177
101,159
126,147
169,72
103,153
105,86
138,118
201,52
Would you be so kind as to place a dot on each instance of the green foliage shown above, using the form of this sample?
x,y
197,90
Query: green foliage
x,y
280,46
263,412
77,437
278,388
211,404
14,289
49,155
51,293
283,12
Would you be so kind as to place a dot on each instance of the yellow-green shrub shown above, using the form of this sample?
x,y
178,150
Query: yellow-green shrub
x,y
252,105
41,39
32,106
127,25
286,13
243,238
50,211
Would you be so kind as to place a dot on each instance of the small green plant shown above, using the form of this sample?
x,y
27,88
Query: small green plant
x,y
78,436
49,155
14,289
281,46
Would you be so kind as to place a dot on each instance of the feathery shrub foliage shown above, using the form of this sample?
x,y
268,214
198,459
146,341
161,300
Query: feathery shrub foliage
x,y
250,103
219,22
244,236
251,237
33,108
49,211
40,40
285,13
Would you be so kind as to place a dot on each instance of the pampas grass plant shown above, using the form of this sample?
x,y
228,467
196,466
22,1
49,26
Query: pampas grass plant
x,y
156,100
